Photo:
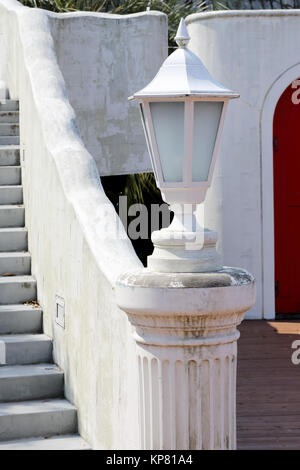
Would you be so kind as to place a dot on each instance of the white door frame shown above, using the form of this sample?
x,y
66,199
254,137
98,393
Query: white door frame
x,y
267,190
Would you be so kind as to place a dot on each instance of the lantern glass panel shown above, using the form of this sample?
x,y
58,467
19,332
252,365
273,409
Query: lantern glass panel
x,y
168,123
207,115
148,140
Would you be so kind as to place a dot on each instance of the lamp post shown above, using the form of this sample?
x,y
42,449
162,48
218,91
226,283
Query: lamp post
x,y
183,111
185,306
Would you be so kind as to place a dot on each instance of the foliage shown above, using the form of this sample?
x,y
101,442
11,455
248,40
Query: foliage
x,y
175,9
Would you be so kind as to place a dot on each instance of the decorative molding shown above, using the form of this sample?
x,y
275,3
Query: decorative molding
x,y
186,343
188,403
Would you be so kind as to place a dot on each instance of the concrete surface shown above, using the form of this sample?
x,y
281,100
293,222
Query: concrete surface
x,y
66,442
17,289
104,59
10,175
30,382
11,194
25,349
20,318
12,216
14,263
13,238
36,418
10,155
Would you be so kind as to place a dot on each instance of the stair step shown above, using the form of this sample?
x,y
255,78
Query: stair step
x,y
9,116
17,289
11,195
15,263
25,349
12,216
36,419
10,175
31,414
30,382
13,239
9,129
9,155
65,442
18,318
9,139
4,93
9,105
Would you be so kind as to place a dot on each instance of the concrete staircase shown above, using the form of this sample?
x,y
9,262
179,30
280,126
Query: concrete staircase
x,y
33,411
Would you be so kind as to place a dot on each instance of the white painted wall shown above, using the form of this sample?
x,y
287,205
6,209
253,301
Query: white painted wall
x,y
72,225
257,54
104,59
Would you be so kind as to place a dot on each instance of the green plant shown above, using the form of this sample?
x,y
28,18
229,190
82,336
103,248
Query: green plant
x,y
175,9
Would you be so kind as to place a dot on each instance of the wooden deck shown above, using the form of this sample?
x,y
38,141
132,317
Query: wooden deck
x,y
268,386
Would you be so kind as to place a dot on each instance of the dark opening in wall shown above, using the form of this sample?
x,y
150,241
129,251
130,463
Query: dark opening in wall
x,y
140,206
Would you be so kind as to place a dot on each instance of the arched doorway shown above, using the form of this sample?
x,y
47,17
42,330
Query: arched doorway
x,y
286,168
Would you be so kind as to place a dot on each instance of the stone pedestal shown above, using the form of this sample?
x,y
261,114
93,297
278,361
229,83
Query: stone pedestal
x,y
185,246
186,336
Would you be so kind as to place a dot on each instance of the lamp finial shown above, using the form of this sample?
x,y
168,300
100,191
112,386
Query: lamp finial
x,y
182,36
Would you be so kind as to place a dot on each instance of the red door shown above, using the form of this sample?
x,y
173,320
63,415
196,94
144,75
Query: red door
x,y
286,153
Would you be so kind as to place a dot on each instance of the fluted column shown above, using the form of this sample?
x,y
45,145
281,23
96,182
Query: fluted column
x,y
186,336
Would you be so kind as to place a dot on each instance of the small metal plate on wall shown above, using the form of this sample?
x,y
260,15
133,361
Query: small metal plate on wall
x,y
60,311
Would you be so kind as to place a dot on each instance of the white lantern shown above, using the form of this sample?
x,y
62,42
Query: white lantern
x,y
183,110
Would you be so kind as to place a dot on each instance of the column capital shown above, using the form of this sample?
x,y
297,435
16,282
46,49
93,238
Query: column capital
x,y
186,308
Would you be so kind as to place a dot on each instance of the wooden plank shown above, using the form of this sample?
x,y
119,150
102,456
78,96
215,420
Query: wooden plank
x,y
269,443
268,386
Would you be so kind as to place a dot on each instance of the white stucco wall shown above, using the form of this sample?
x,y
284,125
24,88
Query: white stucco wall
x,y
72,227
104,59
257,54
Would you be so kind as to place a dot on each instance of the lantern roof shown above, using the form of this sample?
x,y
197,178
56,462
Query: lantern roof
x,y
183,74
